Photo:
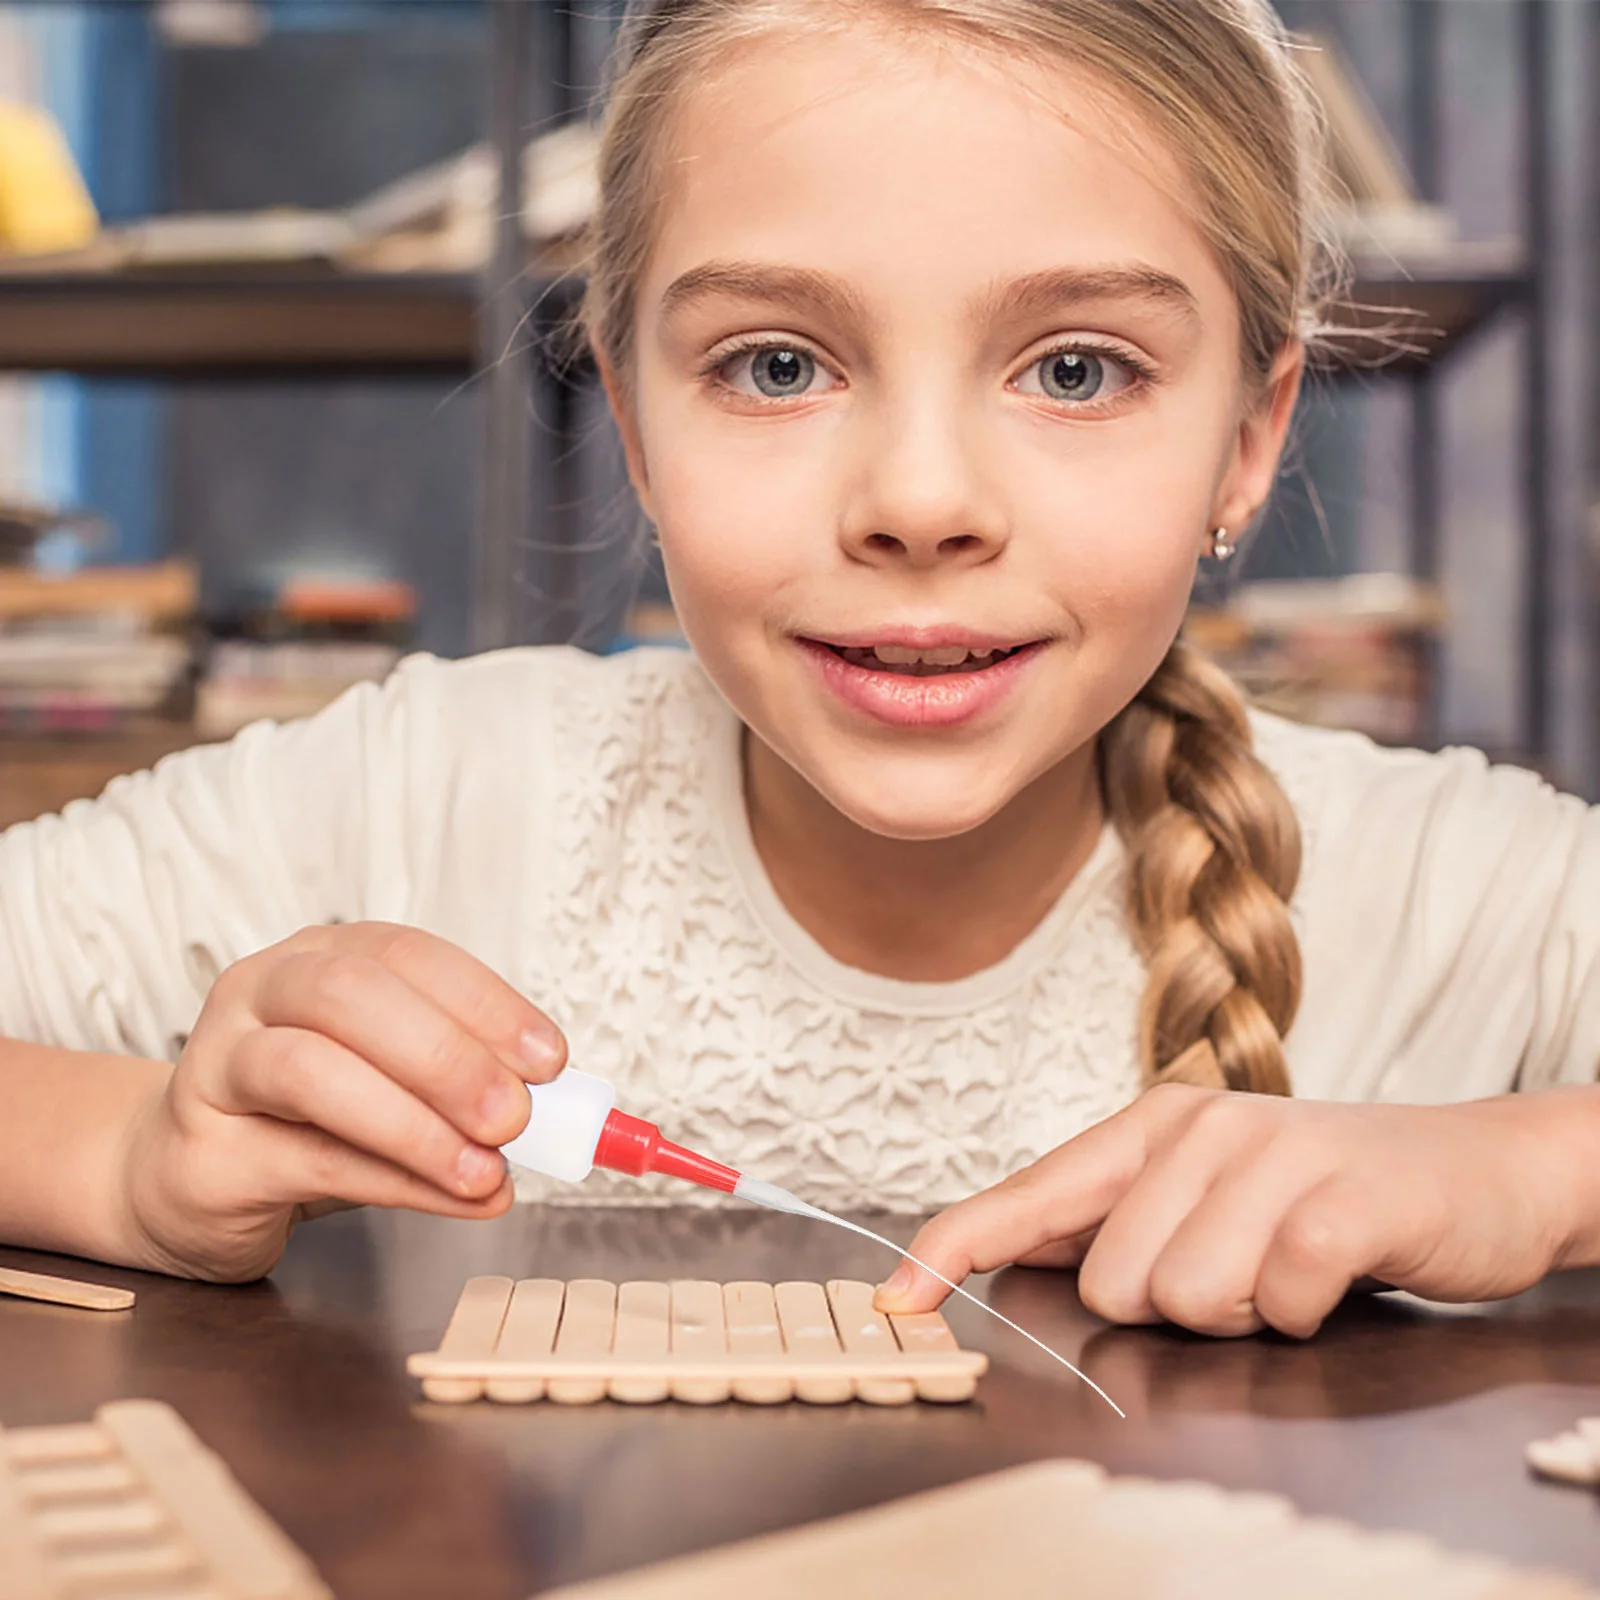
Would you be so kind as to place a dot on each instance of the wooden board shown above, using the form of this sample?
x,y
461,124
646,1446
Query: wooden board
x,y
702,1343
1067,1528
133,1503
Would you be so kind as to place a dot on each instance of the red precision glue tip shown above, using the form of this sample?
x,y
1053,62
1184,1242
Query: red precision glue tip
x,y
632,1145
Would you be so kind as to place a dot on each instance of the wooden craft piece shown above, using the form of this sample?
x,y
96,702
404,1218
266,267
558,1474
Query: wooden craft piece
x,y
130,1504
64,1291
689,1340
588,1318
865,1331
472,1335
1056,1528
644,1333
927,1333
753,1332
529,1331
699,1333
1572,1457
806,1321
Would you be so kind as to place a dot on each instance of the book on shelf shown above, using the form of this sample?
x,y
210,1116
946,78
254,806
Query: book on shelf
x,y
298,651
92,649
438,219
1353,652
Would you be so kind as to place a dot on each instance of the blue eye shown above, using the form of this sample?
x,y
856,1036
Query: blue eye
x,y
777,371
1071,375
1077,376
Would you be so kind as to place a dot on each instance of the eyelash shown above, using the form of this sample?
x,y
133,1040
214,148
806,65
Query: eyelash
x,y
1144,373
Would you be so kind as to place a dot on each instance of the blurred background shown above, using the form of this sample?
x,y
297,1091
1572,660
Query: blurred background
x,y
281,393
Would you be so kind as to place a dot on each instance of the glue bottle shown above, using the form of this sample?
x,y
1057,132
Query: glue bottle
x,y
575,1127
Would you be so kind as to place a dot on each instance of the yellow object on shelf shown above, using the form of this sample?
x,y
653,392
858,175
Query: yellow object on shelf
x,y
44,205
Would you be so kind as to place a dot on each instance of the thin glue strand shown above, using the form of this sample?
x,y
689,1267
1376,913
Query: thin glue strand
x,y
769,1194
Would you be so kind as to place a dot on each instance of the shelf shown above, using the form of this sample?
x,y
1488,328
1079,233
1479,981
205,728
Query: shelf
x,y
42,772
305,321
208,323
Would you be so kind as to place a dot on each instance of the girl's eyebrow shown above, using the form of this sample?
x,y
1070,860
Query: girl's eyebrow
x,y
756,280
1055,288
1058,287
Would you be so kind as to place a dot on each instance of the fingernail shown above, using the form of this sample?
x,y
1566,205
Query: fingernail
x,y
897,1282
475,1166
544,1052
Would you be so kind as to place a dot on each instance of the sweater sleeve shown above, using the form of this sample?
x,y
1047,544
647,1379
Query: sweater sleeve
x,y
118,914
1450,920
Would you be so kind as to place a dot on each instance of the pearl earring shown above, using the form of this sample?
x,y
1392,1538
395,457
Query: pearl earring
x,y
1222,547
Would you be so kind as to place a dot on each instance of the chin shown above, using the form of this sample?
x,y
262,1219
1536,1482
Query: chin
x,y
926,806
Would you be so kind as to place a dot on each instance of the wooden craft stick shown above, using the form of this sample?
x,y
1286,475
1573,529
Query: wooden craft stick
x,y
699,1332
752,1313
248,1554
64,1291
529,1331
102,1519
644,1333
122,1566
78,1480
73,1441
473,1330
588,1319
864,1331
21,1560
809,1334
926,1333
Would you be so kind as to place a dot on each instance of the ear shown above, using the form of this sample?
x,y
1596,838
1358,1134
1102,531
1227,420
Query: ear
x,y
1262,432
627,426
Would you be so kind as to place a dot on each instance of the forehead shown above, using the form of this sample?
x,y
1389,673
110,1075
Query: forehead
x,y
896,160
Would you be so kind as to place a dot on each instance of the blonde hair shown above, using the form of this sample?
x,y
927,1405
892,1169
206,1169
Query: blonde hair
x,y
1213,844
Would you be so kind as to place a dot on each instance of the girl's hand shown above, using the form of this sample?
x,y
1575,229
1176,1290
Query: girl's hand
x,y
1227,1212
367,1064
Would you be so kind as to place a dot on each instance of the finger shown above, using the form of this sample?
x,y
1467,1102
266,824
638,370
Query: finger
x,y
1117,1279
1061,1253
357,1001
1066,1193
310,1165
1206,1276
465,988
298,1076
1334,1234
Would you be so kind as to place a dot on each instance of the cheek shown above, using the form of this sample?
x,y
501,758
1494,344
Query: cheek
x,y
1119,527
739,523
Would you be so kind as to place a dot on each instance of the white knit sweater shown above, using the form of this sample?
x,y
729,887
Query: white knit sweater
x,y
579,825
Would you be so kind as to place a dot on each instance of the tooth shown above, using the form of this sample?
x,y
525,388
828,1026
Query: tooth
x,y
896,655
951,655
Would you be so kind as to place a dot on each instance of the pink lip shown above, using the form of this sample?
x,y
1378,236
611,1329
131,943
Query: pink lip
x,y
945,701
915,638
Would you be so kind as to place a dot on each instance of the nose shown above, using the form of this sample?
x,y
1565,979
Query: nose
x,y
923,497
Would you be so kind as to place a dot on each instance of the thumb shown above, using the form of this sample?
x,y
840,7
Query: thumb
x,y
952,1244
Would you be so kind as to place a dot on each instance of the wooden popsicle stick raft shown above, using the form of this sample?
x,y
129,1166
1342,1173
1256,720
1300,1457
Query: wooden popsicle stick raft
x,y
579,1342
133,1503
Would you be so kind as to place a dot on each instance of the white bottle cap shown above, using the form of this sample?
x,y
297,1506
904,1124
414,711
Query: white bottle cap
x,y
564,1127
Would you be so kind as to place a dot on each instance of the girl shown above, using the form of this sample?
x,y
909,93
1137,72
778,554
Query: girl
x,y
945,338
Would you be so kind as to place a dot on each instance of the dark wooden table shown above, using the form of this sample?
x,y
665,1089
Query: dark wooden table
x,y
1396,1415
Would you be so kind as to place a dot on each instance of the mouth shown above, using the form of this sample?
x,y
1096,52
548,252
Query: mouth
x,y
928,683
905,661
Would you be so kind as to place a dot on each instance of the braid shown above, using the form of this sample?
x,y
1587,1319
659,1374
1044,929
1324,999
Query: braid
x,y
1214,854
